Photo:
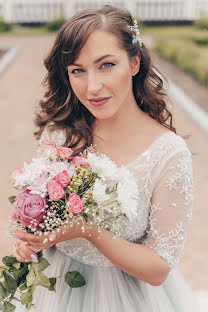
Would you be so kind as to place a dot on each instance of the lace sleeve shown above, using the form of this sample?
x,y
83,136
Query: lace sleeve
x,y
171,208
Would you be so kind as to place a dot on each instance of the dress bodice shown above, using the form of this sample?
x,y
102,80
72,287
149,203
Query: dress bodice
x,y
164,178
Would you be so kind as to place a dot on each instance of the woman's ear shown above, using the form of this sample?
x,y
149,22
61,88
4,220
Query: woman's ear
x,y
135,64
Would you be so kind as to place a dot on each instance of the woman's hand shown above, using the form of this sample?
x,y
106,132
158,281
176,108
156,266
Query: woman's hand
x,y
23,253
27,242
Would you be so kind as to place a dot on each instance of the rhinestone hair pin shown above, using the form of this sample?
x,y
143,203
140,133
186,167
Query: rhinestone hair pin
x,y
136,38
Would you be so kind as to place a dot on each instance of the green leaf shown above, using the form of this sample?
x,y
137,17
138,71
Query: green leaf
x,y
74,279
26,298
3,293
30,278
17,265
8,307
1,306
8,260
10,281
19,272
23,286
52,284
4,267
11,199
42,279
40,266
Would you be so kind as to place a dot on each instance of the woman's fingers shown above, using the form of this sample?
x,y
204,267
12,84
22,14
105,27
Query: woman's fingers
x,y
25,252
35,249
15,254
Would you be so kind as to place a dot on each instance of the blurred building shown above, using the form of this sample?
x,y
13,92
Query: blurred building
x,y
39,11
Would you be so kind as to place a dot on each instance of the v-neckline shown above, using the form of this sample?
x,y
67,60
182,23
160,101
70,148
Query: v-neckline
x,y
140,155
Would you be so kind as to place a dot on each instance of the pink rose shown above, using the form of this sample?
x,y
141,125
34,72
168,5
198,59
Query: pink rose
x,y
15,172
47,143
63,178
55,189
79,162
49,148
64,152
74,204
28,207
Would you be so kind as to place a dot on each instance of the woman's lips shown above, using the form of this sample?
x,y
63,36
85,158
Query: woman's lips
x,y
99,103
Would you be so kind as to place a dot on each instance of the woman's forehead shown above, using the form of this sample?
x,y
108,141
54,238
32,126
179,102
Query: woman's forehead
x,y
100,43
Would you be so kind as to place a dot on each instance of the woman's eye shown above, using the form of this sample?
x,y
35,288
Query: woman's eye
x,y
108,65
75,71
104,65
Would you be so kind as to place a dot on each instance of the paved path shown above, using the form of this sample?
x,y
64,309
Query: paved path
x,y
20,91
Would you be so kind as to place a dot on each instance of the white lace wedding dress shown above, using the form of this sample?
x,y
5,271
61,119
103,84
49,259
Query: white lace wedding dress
x,y
165,182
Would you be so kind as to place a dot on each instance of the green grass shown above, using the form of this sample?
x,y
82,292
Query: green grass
x,y
180,45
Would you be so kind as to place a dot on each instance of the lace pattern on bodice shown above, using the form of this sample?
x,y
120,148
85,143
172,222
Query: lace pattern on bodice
x,y
164,177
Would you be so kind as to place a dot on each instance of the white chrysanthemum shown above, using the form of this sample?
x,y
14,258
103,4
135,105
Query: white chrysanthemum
x,y
128,194
36,175
99,193
105,168
127,189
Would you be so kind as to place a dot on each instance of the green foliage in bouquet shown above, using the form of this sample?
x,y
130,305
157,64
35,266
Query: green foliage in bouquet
x,y
23,277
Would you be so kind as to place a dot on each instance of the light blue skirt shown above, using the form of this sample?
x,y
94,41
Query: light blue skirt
x,y
108,289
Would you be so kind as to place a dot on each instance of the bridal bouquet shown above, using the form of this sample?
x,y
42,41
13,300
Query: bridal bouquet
x,y
58,190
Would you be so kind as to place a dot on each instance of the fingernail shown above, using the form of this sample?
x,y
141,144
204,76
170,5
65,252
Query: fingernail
x,y
34,258
52,237
35,250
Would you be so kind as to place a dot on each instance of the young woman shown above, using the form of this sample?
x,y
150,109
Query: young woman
x,y
102,90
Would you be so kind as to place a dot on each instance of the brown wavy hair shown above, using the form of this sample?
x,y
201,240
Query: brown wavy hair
x,y
61,109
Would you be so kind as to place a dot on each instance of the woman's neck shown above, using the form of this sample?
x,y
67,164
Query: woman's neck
x,y
123,124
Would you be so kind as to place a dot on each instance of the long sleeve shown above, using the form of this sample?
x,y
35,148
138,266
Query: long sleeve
x,y
171,208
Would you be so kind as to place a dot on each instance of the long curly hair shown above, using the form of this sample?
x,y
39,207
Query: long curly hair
x,y
61,109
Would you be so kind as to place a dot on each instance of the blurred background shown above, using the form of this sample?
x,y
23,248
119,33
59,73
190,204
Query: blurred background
x,y
176,33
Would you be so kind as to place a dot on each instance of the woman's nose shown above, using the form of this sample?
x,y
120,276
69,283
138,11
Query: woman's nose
x,y
94,84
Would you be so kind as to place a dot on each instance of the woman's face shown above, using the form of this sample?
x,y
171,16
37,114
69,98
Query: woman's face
x,y
103,70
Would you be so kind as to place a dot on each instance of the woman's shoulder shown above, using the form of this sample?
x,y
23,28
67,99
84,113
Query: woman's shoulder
x,y
175,143
171,149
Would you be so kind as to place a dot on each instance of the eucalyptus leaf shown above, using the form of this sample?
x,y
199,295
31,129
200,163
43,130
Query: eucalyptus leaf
x,y
42,279
4,267
8,307
19,272
23,286
74,279
52,284
17,265
3,293
26,298
10,281
30,277
9,260
41,265
11,199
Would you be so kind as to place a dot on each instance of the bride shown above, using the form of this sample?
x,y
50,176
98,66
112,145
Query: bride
x,y
102,90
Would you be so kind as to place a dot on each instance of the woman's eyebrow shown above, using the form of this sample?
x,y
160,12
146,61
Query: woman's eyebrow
x,y
96,61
